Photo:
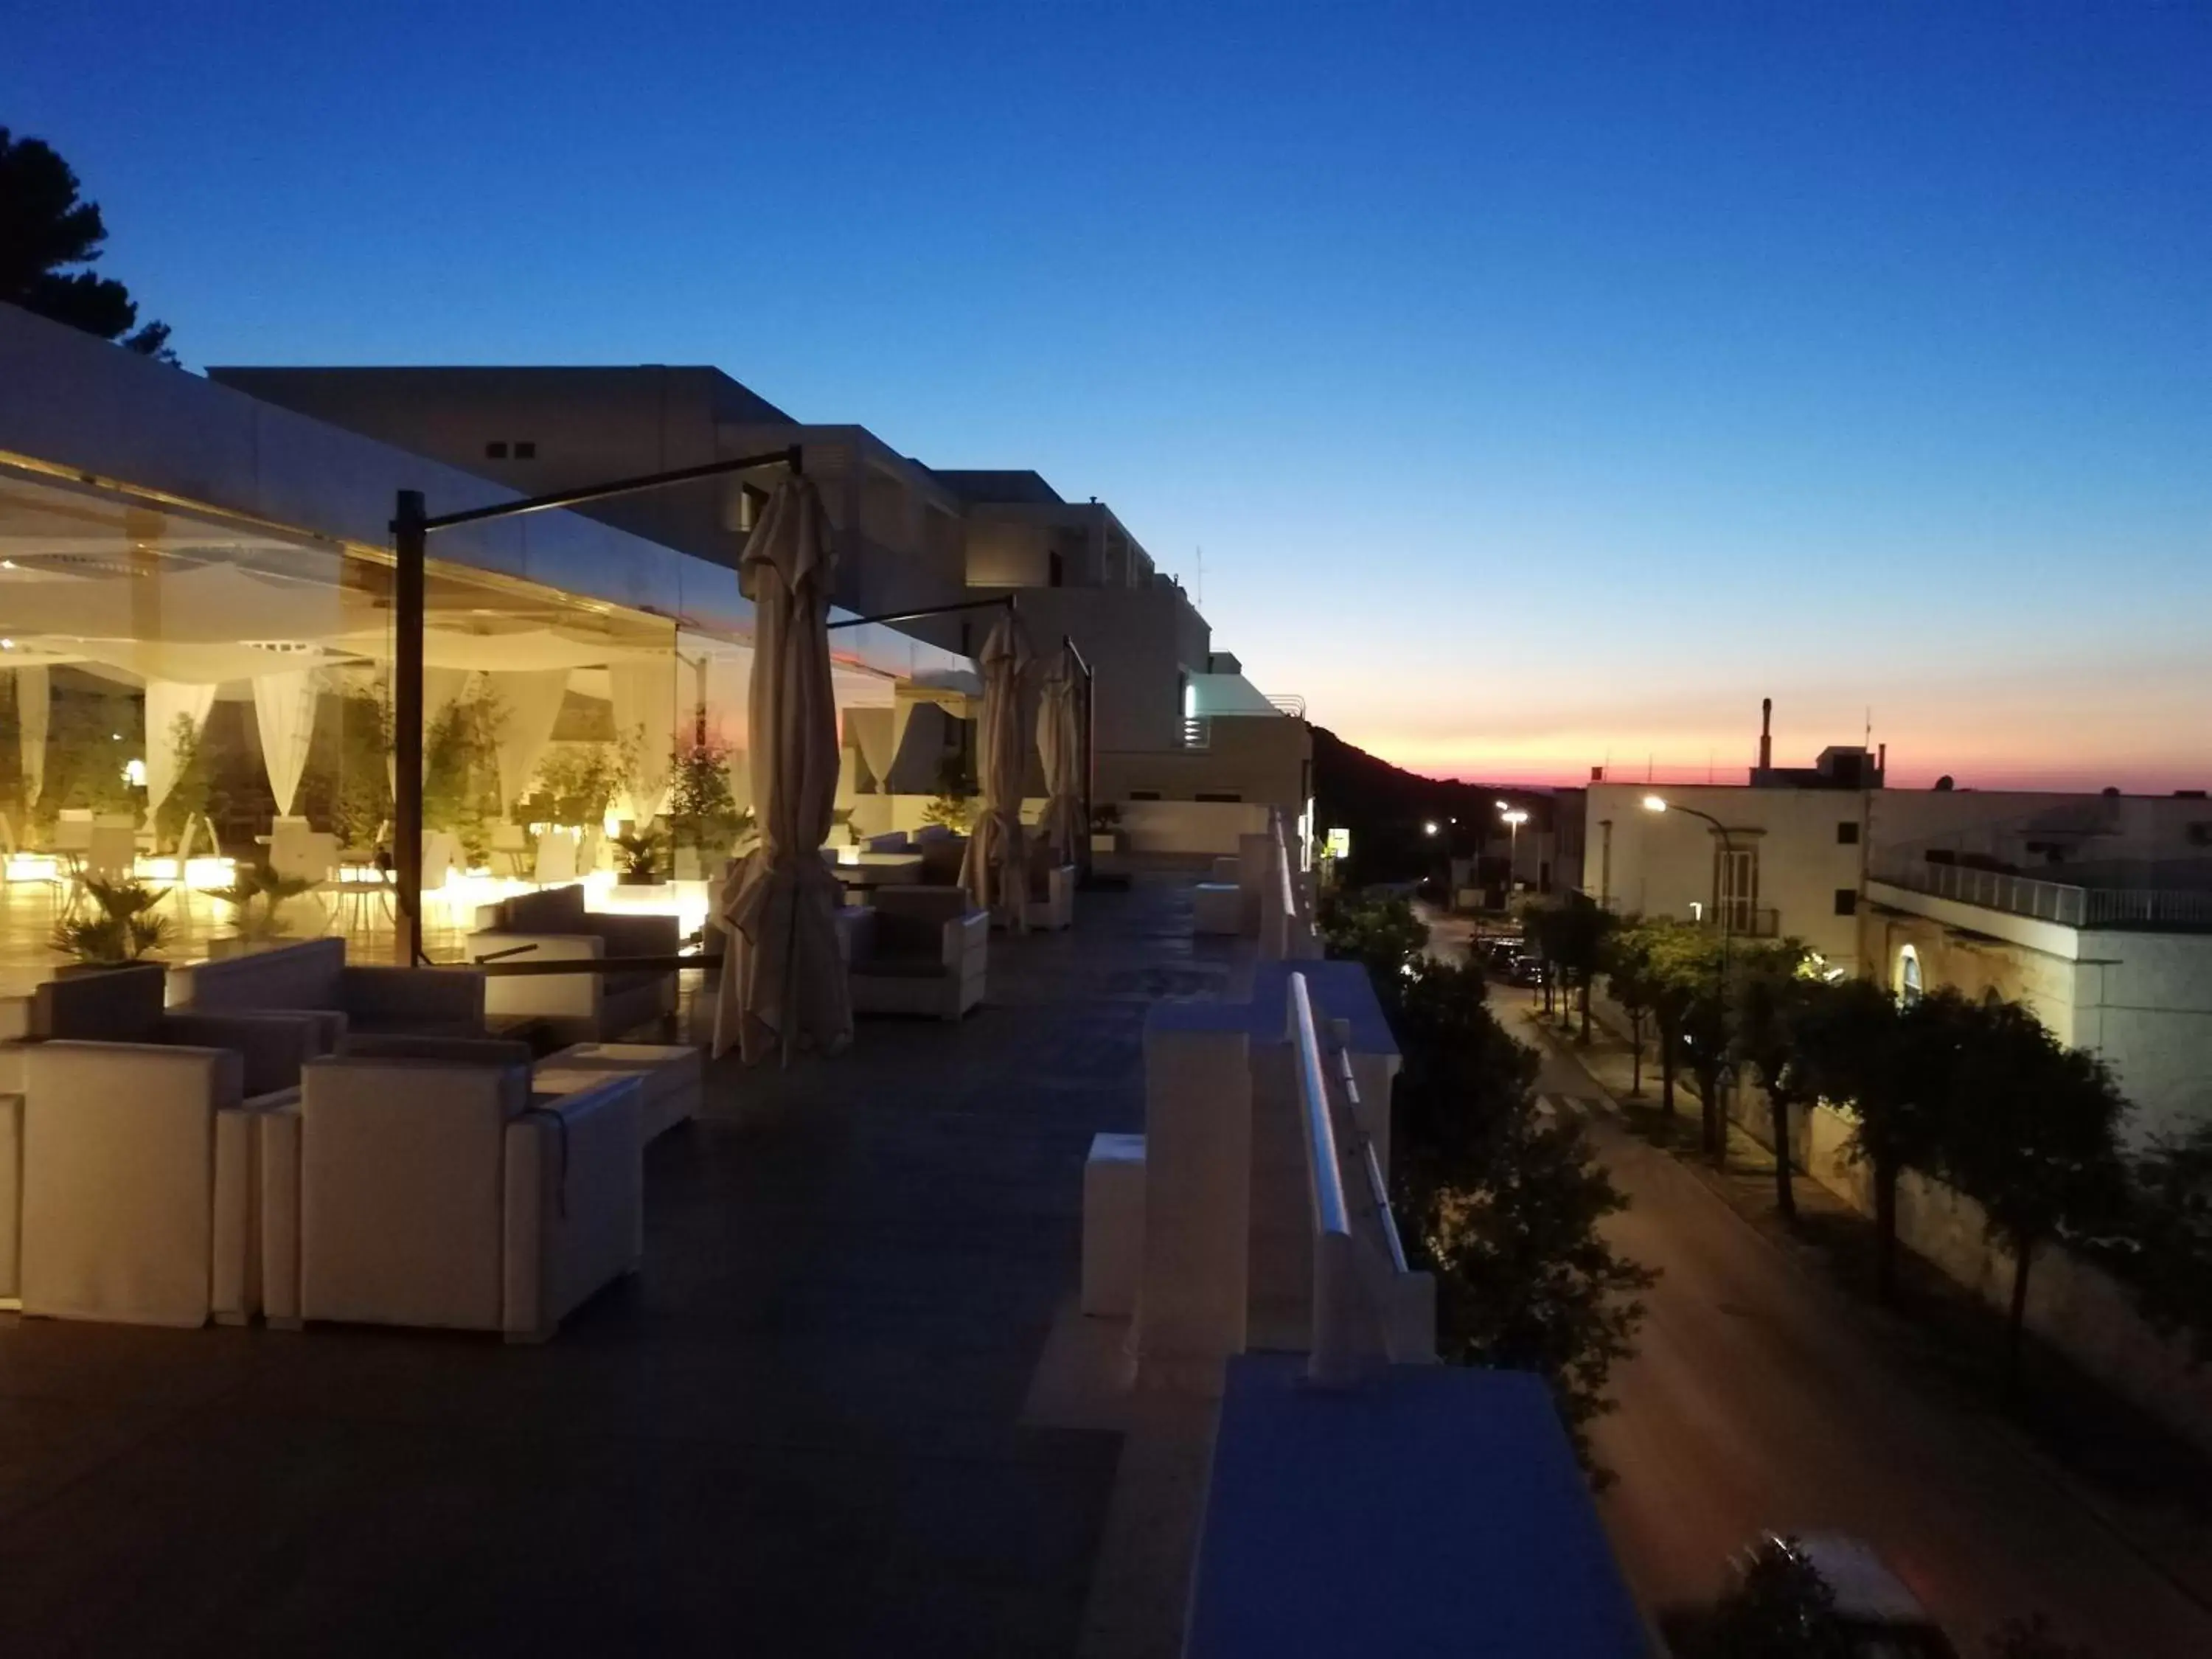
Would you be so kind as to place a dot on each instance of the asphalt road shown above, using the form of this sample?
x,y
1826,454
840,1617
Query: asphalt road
x,y
1757,1402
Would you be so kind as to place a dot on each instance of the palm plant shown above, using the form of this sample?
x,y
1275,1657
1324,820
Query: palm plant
x,y
257,894
124,927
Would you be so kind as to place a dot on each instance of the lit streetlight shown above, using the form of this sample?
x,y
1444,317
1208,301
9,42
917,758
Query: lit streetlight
x,y
1514,818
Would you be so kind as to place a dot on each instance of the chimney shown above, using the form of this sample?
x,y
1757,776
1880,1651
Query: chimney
x,y
1766,734
1880,763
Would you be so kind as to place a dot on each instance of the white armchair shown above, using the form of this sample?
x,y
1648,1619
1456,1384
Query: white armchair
x,y
917,950
552,925
436,1192
1051,901
135,1165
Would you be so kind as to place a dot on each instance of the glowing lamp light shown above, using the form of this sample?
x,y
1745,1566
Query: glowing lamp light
x,y
1517,818
1431,827
1654,803
134,774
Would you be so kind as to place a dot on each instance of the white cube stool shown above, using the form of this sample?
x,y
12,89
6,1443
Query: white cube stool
x,y
1217,907
671,1076
1113,1224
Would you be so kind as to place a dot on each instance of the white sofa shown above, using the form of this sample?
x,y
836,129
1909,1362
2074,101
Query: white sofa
x,y
917,950
437,1193
553,925
313,977
136,1164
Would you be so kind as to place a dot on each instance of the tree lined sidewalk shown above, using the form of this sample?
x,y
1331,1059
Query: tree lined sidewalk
x,y
2150,1489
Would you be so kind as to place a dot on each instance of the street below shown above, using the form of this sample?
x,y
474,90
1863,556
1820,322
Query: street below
x,y
1758,1400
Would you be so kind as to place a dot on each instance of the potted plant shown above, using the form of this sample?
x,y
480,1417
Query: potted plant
x,y
1106,828
256,896
581,782
638,852
702,817
953,806
123,929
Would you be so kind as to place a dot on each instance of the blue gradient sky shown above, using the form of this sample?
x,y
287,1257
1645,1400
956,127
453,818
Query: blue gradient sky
x,y
1543,384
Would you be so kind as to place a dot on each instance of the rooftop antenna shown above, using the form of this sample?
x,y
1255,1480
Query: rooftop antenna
x,y
1199,581
1766,734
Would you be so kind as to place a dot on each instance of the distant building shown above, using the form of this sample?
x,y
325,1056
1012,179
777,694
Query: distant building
x,y
2094,910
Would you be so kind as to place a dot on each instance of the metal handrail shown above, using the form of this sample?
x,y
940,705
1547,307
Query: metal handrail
x,y
1325,1176
1377,1188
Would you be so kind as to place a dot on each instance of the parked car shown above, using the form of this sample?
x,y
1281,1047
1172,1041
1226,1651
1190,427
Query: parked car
x,y
1525,969
1878,1615
1499,950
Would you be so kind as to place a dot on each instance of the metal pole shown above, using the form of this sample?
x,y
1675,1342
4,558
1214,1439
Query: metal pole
x,y
409,530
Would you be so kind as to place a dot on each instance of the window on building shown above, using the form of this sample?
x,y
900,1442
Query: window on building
x,y
1055,569
526,449
496,450
1736,887
1144,794
1847,833
1847,901
1231,797
1908,976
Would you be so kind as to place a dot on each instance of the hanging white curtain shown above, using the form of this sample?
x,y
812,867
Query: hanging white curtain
x,y
644,698
33,707
284,714
531,703
168,702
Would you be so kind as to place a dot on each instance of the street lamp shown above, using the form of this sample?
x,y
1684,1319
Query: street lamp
x,y
1515,817
1429,827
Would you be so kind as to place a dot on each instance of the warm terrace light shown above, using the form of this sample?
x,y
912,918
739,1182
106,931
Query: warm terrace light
x,y
1429,827
1654,803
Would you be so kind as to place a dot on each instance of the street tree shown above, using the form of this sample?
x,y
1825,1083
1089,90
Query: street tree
x,y
1693,1014
2035,1140
1677,957
1773,1000
1626,961
1779,1608
1502,1202
1892,1068
1580,926
2164,1246
49,237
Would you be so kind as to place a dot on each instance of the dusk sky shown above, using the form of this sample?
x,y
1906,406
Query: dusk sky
x,y
1544,385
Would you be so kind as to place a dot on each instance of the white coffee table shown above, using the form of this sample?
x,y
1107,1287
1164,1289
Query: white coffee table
x,y
671,1075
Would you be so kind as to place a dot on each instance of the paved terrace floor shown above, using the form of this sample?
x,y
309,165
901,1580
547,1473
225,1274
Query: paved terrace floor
x,y
797,1432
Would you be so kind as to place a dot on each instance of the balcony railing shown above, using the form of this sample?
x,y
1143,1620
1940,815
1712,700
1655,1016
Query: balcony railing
x,y
1743,920
2054,900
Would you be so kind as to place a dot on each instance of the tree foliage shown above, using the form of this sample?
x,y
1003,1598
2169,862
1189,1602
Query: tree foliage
x,y
49,237
2162,1243
1779,1608
2038,1148
1500,1200
1773,999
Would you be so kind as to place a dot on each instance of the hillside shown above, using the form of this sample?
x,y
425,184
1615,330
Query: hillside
x,y
1384,807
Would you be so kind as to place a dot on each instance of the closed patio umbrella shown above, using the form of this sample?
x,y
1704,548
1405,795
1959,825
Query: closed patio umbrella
x,y
783,983
1060,747
995,870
